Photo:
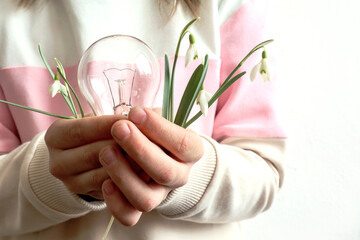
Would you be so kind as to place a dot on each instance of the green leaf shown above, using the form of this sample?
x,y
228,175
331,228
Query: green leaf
x,y
166,97
45,62
191,92
217,94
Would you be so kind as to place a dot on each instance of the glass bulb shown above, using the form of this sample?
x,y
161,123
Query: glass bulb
x,y
118,72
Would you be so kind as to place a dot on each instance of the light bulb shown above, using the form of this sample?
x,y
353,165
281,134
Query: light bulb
x,y
118,72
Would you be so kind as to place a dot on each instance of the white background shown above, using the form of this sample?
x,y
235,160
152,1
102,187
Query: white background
x,y
318,48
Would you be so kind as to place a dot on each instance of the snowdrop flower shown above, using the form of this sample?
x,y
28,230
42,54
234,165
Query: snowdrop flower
x,y
57,87
262,67
203,100
191,53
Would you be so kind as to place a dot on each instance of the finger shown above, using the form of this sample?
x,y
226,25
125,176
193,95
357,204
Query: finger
x,y
120,208
64,134
77,160
88,182
89,114
137,169
151,158
143,196
157,110
183,143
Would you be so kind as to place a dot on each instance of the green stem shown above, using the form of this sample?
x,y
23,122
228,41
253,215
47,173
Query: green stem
x,y
182,34
74,93
71,105
108,228
68,103
71,101
35,110
78,101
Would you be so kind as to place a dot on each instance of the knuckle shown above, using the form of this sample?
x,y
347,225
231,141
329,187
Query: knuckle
x,y
179,177
55,170
198,155
167,176
75,132
89,158
182,181
147,204
190,147
96,181
185,142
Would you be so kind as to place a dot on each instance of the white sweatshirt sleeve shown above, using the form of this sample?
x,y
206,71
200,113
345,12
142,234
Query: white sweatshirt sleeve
x,y
235,180
31,198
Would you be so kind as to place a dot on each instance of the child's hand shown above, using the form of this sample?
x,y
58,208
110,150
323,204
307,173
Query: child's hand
x,y
163,154
74,147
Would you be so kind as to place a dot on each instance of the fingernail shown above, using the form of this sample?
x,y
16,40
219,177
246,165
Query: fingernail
x,y
120,131
137,115
107,156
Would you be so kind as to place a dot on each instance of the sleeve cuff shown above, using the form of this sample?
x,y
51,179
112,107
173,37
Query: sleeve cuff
x,y
184,198
48,193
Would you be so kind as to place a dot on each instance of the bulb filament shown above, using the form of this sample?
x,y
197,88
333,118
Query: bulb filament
x,y
123,80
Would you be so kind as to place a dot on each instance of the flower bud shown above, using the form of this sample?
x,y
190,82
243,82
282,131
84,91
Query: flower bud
x,y
191,38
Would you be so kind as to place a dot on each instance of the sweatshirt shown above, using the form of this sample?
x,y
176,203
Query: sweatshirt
x,y
242,167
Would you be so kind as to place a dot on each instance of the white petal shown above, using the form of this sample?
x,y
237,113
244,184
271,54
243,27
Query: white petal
x,y
254,71
204,109
196,54
190,54
56,87
265,68
53,89
208,95
264,65
63,89
52,93
204,98
264,77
